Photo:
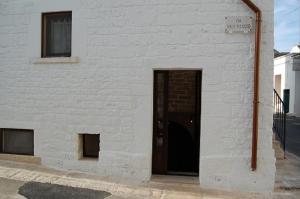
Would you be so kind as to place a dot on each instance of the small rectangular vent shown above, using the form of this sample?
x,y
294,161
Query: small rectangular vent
x,y
90,145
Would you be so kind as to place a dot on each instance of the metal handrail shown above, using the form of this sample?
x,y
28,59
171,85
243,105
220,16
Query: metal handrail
x,y
279,119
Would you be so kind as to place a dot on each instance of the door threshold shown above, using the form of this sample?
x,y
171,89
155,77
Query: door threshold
x,y
180,173
175,179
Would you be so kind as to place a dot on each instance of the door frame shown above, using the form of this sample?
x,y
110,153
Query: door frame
x,y
199,74
164,168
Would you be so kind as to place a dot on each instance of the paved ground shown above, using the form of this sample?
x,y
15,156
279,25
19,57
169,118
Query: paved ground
x,y
293,135
14,178
14,189
37,190
287,182
9,189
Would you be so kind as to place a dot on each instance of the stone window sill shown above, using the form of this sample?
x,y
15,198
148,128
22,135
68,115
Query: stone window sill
x,y
56,60
21,158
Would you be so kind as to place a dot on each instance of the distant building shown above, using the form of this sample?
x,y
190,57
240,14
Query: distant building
x,y
279,54
287,78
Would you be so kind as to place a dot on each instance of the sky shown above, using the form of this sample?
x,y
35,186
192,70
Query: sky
x,y
287,24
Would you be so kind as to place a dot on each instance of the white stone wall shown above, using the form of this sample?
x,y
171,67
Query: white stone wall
x,y
290,80
279,69
284,66
119,43
297,93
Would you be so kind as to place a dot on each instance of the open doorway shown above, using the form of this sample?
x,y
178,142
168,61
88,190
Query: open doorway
x,y
176,127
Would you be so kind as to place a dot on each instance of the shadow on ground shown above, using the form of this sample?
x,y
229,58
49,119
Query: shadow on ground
x,y
293,135
36,190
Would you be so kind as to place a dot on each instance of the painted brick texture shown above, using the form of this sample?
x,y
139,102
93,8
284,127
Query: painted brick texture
x,y
119,43
181,97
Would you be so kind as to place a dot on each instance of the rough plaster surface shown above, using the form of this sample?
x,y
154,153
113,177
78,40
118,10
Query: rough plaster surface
x,y
109,91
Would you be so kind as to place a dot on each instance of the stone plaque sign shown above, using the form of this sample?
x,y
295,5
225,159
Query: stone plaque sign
x,y
238,24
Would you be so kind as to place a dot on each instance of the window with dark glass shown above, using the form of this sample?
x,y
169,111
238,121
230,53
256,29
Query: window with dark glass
x,y
16,141
90,144
56,34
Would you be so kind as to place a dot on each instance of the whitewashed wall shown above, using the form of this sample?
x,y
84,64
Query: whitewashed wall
x,y
279,69
119,44
290,79
297,93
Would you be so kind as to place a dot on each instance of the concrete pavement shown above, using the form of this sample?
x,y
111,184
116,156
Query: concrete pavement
x,y
293,135
14,175
37,190
288,172
9,189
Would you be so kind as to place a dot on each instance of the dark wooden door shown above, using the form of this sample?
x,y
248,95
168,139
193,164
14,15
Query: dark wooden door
x,y
160,123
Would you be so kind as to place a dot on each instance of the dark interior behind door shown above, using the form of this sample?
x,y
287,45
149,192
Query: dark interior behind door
x,y
176,135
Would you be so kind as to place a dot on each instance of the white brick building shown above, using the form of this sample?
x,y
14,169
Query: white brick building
x,y
287,79
106,86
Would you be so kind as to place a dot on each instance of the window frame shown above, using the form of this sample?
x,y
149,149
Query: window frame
x,y
44,53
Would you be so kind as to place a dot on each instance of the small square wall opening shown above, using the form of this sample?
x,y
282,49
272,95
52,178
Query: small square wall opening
x,y
90,145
